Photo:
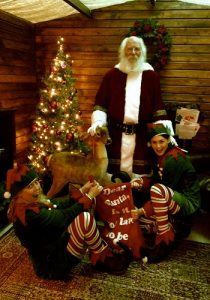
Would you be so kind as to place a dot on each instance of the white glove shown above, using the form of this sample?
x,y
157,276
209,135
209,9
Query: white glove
x,y
98,119
92,130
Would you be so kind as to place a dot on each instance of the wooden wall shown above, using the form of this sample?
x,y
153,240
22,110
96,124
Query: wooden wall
x,y
93,45
18,88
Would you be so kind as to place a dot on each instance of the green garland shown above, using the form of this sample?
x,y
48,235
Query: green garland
x,y
157,36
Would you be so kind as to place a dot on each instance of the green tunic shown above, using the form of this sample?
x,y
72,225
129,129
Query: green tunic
x,y
179,174
45,236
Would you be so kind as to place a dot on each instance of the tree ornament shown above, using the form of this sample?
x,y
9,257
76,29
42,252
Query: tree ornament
x,y
157,39
34,128
45,159
69,137
63,65
53,104
58,132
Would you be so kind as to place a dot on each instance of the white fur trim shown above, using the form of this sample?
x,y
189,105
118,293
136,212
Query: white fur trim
x,y
132,97
99,116
166,124
128,143
132,104
147,66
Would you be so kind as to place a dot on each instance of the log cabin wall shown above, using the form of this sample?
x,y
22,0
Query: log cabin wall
x,y
18,76
93,45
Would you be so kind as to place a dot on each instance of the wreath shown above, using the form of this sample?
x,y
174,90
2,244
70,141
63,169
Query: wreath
x,y
157,40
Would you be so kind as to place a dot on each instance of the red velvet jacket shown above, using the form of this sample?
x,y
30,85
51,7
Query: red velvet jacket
x,y
111,98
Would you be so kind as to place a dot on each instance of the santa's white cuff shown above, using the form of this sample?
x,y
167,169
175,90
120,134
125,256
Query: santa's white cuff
x,y
99,116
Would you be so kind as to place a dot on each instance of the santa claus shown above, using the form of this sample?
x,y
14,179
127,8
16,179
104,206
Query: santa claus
x,y
128,98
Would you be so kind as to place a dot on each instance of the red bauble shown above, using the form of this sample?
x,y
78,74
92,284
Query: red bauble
x,y
45,159
69,137
58,132
53,104
34,128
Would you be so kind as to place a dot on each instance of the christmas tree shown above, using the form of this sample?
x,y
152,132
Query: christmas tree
x,y
57,123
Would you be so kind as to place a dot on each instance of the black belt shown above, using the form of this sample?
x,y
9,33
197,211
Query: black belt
x,y
127,128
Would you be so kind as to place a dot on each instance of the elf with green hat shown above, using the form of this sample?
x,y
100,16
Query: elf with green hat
x,y
56,232
174,190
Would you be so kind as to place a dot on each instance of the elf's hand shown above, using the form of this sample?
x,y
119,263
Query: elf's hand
x,y
95,190
137,183
142,183
136,213
86,187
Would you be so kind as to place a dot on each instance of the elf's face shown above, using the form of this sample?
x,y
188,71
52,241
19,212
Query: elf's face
x,y
33,190
159,144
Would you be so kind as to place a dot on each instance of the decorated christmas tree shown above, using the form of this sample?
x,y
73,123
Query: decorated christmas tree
x,y
57,124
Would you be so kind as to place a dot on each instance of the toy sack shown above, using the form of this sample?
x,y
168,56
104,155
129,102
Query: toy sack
x,y
113,207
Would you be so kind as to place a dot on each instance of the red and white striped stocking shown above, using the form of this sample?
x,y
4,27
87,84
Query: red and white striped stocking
x,y
84,232
162,205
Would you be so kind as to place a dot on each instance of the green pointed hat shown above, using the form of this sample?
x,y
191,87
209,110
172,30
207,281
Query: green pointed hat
x,y
159,128
18,178
156,129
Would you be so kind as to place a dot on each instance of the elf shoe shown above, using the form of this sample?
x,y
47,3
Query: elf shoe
x,y
121,176
158,252
116,263
96,257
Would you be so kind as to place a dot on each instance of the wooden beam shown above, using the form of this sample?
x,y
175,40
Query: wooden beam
x,y
78,5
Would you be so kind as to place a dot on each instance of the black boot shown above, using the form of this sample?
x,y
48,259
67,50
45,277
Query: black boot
x,y
158,252
116,264
122,176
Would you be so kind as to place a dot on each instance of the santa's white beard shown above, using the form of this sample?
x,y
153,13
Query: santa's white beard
x,y
127,66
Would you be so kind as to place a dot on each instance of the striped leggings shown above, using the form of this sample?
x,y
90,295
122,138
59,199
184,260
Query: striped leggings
x,y
84,233
157,212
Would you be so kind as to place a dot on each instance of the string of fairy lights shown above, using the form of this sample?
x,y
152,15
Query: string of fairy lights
x,y
58,118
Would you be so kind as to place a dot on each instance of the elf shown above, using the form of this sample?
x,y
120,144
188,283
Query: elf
x,y
174,191
56,233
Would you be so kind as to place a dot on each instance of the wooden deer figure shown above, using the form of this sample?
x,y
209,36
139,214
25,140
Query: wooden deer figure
x,y
66,167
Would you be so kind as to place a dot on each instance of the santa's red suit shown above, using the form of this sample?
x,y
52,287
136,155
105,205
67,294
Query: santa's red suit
x,y
127,102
